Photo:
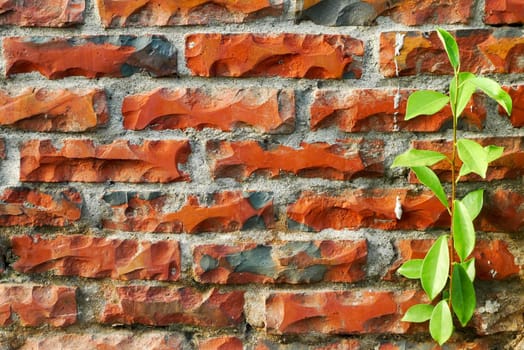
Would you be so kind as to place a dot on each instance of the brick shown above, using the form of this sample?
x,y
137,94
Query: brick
x,y
221,343
44,109
500,12
284,55
21,206
339,312
509,166
42,13
481,50
517,114
345,344
90,56
97,257
116,340
372,208
499,309
359,110
83,161
148,212
344,160
493,259
162,306
36,305
267,110
357,13
503,210
477,344
116,13
290,262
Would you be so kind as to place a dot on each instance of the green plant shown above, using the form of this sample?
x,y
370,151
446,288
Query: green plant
x,y
439,269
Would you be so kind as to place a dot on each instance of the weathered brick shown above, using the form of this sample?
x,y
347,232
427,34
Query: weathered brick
x,y
268,110
365,12
123,55
517,114
509,166
36,305
477,344
83,161
372,208
359,110
345,344
21,206
2,148
499,309
503,211
54,110
229,211
97,257
42,13
285,55
500,12
116,13
339,312
221,343
291,262
116,340
344,160
481,50
162,306
493,259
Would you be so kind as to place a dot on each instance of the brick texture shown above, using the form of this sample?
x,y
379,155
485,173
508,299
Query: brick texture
x,y
42,13
499,12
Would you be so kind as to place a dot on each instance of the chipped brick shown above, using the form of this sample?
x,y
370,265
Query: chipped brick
x,y
42,13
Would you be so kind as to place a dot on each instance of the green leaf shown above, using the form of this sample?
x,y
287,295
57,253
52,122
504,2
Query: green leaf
x,y
473,202
451,47
425,102
465,91
418,313
441,323
416,157
473,156
493,152
435,268
411,268
463,231
431,180
491,88
469,266
463,299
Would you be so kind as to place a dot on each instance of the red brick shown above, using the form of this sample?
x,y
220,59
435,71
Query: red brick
x,y
116,13
493,259
221,343
54,110
499,309
500,12
36,305
285,55
509,166
477,344
116,340
344,160
482,51
20,206
503,211
162,306
359,110
90,56
291,262
345,344
268,110
42,13
517,114
339,312
83,161
230,211
373,208
96,257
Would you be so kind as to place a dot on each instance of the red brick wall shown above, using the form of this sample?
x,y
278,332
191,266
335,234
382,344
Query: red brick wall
x,y
216,174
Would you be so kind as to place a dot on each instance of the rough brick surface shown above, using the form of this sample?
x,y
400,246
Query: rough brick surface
x,y
339,312
42,13
501,12
83,161
346,344
229,211
162,306
267,110
341,161
517,114
2,148
503,210
165,13
35,305
284,55
221,343
97,257
90,56
359,110
54,110
482,51
27,207
292,262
